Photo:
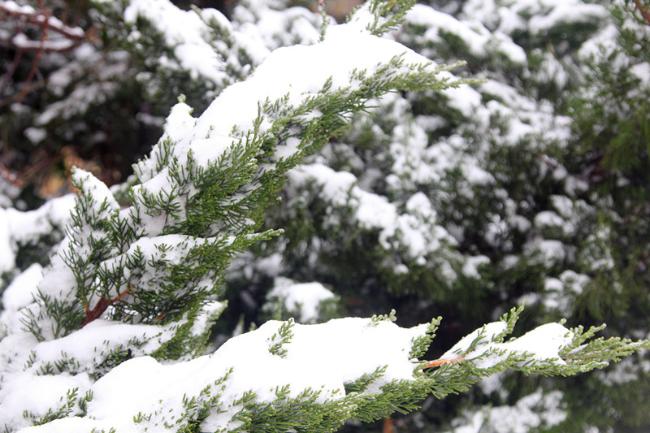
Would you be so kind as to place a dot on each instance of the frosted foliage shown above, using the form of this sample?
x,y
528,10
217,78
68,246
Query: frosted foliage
x,y
423,181
451,153
209,136
412,230
67,364
537,410
543,343
340,350
23,228
206,138
304,299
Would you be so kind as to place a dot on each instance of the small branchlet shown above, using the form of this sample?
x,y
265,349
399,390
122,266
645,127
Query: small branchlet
x,y
387,14
281,338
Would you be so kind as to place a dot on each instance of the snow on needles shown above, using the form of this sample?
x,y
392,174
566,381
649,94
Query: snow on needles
x,y
143,394
319,357
344,51
542,344
20,228
186,32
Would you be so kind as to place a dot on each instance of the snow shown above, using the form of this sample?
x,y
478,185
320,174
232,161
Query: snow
x,y
628,370
570,13
259,21
487,333
534,411
362,52
20,228
541,344
548,219
97,189
92,344
548,251
560,293
303,298
408,222
22,392
186,33
236,108
340,351
17,295
480,41
642,72
472,264
413,232
464,99
35,135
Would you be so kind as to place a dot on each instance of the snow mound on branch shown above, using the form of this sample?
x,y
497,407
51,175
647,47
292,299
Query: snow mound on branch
x,y
20,228
529,413
543,344
193,37
303,298
321,357
143,393
478,38
344,52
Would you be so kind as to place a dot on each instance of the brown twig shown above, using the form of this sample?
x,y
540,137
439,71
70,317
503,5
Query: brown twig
x,y
440,362
645,13
95,312
43,16
389,426
35,61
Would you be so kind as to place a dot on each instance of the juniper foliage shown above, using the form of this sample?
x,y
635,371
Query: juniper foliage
x,y
401,186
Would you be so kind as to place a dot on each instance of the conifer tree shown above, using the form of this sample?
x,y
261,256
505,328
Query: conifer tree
x,y
405,187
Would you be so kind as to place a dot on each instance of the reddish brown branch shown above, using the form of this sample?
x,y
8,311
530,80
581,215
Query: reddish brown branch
x,y
41,18
37,59
389,426
102,305
440,362
645,13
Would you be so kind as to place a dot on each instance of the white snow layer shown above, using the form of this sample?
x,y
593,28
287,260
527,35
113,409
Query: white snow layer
x,y
479,40
415,231
301,298
192,37
344,51
21,228
321,357
143,384
529,413
543,343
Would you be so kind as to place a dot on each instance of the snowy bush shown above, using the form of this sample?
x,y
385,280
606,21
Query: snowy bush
x,y
334,170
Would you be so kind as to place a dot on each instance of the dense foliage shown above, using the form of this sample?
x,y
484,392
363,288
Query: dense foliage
x,y
345,176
